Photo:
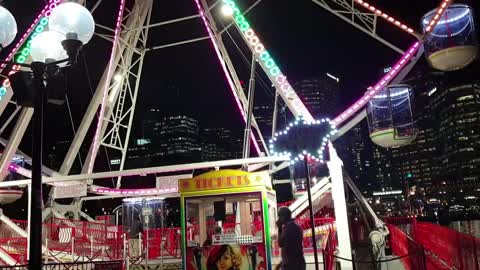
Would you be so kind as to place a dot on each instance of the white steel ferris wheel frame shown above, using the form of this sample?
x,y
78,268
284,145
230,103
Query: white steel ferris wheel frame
x,y
117,102
117,91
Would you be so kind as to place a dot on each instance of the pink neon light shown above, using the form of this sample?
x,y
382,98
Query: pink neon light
x,y
27,33
145,191
105,91
438,15
379,86
225,71
386,16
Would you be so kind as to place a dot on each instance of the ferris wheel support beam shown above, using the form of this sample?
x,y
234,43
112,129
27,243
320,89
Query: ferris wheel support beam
x,y
14,140
146,171
217,38
363,113
113,92
364,21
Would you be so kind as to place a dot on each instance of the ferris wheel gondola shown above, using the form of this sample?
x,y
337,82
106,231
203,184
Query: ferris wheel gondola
x,y
390,117
453,43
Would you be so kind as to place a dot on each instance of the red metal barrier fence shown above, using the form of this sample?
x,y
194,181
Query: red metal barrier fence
x,y
329,250
412,253
456,249
445,248
171,242
65,238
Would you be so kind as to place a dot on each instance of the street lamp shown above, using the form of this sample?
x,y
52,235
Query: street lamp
x,y
8,27
70,27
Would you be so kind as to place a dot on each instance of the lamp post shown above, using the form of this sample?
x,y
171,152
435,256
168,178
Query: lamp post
x,y
70,26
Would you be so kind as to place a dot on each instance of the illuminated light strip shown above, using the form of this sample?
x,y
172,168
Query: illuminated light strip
x,y
141,192
107,85
371,92
225,71
333,130
386,17
268,63
436,18
25,52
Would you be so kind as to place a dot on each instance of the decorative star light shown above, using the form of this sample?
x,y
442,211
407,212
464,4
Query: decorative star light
x,y
302,139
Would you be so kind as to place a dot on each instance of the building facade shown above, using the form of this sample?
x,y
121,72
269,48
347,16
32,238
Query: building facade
x,y
320,94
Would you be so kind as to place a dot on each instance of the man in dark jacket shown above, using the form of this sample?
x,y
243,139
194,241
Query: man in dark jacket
x,y
290,240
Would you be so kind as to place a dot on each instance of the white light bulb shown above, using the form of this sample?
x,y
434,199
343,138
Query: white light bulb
x,y
72,19
47,46
8,27
227,10
117,77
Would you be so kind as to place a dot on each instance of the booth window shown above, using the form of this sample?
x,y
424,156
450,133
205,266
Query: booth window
x,y
240,215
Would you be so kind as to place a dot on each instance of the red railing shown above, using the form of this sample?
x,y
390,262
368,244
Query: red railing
x,y
444,247
412,253
328,251
67,237
83,241
455,249
285,204
168,237
16,248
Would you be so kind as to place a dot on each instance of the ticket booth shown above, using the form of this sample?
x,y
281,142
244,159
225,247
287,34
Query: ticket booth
x,y
228,220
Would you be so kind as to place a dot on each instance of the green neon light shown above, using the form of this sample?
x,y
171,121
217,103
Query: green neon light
x,y
266,226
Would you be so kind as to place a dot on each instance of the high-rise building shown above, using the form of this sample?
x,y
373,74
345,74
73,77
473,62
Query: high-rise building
x,y
355,149
320,94
457,111
220,143
151,124
179,139
264,117
415,163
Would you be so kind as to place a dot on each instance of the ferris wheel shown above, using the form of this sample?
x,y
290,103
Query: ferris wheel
x,y
447,37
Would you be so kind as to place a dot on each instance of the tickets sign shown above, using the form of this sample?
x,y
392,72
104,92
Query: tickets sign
x,y
224,179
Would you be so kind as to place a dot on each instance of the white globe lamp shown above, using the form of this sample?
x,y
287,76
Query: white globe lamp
x,y
72,20
46,47
8,27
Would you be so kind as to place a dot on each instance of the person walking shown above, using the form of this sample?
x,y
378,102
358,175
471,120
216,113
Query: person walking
x,y
290,241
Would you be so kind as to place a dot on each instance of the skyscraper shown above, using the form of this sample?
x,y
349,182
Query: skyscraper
x,y
179,139
220,143
457,110
320,94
